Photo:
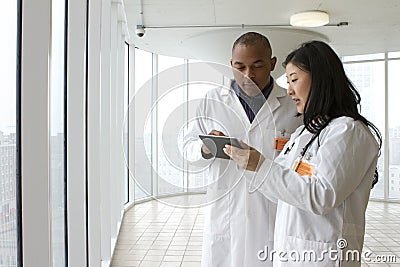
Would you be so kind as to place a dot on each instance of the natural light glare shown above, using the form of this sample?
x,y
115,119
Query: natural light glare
x,y
143,138
143,68
364,57
369,79
394,129
282,81
57,152
170,117
8,26
166,62
394,55
8,138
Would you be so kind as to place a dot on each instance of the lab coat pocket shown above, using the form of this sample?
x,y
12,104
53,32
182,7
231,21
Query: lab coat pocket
x,y
302,252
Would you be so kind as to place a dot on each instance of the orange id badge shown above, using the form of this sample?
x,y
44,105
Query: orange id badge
x,y
279,143
303,168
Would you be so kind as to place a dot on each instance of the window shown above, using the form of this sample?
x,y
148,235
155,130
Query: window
x,y
202,78
143,124
394,126
171,109
162,104
158,169
394,55
126,122
8,138
57,138
369,79
364,57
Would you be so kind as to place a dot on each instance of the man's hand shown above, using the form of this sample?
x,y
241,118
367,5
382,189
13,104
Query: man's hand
x,y
247,158
204,148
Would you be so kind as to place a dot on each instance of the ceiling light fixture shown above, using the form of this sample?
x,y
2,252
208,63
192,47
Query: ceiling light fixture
x,y
309,19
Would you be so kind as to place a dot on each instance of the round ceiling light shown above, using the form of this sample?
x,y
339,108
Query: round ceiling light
x,y
309,19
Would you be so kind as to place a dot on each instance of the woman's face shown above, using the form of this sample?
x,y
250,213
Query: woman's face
x,y
299,85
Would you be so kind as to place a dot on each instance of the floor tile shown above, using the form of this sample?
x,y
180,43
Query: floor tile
x,y
154,234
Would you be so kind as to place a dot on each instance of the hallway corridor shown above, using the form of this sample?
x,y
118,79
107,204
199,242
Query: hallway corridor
x,y
154,234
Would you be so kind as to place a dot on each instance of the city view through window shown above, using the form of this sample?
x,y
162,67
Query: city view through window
x,y
8,211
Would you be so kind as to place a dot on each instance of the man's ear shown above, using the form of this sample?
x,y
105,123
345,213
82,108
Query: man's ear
x,y
273,63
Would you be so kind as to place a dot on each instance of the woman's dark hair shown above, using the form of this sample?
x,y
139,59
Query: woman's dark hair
x,y
332,94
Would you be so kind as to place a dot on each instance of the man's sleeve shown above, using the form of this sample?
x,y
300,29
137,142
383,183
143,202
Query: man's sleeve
x,y
190,145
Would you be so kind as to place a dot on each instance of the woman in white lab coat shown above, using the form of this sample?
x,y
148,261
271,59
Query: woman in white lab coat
x,y
321,181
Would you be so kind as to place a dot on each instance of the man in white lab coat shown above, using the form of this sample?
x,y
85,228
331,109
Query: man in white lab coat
x,y
238,223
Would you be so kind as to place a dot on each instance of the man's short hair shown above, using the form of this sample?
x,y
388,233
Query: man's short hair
x,y
252,38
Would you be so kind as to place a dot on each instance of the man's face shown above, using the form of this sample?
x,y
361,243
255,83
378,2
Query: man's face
x,y
252,65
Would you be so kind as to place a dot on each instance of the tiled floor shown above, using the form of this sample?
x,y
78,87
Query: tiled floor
x,y
156,234
382,236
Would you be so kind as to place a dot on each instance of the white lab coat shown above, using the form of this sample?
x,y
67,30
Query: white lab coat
x,y
237,224
314,212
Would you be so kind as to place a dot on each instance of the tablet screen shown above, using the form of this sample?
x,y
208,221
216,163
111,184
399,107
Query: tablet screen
x,y
216,144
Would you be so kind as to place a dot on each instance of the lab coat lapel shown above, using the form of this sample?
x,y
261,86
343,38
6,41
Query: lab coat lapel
x,y
232,100
270,106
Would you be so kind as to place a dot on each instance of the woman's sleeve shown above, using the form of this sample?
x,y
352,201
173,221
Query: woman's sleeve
x,y
347,153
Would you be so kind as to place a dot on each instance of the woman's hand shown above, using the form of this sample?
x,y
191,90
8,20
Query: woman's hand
x,y
247,158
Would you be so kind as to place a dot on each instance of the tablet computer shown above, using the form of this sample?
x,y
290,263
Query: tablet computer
x,y
216,144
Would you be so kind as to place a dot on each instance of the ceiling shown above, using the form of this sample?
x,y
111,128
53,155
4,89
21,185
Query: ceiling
x,y
374,26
